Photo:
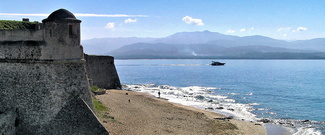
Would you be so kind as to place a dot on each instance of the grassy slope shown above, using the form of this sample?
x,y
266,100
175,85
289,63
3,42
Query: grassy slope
x,y
100,109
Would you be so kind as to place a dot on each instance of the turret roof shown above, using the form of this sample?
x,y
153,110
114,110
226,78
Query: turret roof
x,y
60,14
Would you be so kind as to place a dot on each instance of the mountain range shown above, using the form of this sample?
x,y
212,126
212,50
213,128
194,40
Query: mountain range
x,y
206,44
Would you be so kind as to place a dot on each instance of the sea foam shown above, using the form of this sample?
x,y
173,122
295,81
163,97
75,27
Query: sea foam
x,y
199,97
207,98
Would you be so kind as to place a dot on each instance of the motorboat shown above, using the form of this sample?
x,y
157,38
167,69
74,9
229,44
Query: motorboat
x,y
217,63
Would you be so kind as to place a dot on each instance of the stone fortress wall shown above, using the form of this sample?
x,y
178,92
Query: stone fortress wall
x,y
98,69
44,82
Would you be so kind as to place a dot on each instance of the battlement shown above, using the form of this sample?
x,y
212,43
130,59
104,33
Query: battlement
x,y
56,39
20,30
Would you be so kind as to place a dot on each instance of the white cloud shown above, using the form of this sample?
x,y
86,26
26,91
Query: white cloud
x,y
78,15
301,29
193,21
230,31
246,29
284,29
130,20
110,26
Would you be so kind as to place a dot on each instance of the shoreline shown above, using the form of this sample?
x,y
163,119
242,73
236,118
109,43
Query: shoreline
x,y
273,129
219,104
142,113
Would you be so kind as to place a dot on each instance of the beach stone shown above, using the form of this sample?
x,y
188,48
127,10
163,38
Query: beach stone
x,y
225,118
220,108
264,120
230,117
209,108
230,109
305,121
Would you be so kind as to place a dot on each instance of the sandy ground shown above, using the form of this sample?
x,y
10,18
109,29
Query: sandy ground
x,y
137,113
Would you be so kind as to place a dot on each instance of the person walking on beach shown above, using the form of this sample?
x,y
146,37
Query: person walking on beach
x,y
159,94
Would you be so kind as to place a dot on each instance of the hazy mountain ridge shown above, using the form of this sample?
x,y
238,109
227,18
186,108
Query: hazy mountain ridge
x,y
213,45
149,51
194,37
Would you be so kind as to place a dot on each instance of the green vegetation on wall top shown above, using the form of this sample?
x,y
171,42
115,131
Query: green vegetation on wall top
x,y
96,89
16,25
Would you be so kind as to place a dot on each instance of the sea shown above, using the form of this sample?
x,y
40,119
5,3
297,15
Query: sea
x,y
280,93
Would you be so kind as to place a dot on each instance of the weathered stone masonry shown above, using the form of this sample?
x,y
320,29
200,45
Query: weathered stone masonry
x,y
44,86
102,72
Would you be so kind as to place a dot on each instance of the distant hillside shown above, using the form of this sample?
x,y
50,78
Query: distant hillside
x,y
317,44
250,40
201,51
194,38
102,46
208,45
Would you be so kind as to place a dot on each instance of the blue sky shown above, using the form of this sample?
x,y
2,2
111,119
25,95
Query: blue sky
x,y
279,19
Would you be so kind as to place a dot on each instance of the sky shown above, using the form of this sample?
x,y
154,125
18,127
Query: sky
x,y
279,19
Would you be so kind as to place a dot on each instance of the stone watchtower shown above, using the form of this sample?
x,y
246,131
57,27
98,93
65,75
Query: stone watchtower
x,y
44,87
62,32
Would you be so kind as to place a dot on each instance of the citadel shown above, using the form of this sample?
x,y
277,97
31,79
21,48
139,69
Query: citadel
x,y
45,79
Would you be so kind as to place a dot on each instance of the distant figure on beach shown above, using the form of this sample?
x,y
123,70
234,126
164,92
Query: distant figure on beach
x,y
159,94
129,100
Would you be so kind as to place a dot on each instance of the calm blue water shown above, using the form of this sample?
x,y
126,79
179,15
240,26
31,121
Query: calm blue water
x,y
286,89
